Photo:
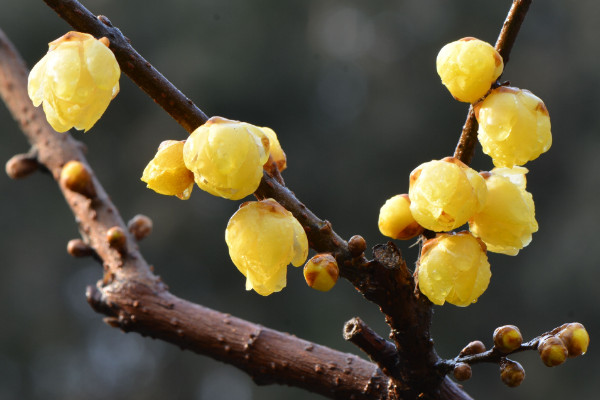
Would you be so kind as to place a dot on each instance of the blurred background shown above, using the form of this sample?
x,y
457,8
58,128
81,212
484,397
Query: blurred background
x,y
351,89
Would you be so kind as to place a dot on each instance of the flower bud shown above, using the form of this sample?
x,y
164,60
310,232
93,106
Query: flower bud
x,y
511,373
576,338
76,177
514,126
140,226
468,67
275,149
78,248
357,245
552,351
507,338
444,194
166,173
227,157
475,347
117,239
453,268
263,238
75,81
321,272
462,371
396,220
507,221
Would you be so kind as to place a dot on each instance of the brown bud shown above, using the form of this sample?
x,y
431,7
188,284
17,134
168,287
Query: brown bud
x,y
552,351
507,338
357,245
575,338
78,248
474,347
511,373
117,239
462,371
76,177
140,226
21,166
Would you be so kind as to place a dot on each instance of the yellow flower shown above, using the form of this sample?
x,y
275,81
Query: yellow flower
x,y
396,220
227,157
167,174
444,194
75,81
468,67
514,126
263,238
453,268
507,221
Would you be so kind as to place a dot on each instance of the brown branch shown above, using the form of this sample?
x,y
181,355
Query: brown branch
x,y
468,139
385,280
136,300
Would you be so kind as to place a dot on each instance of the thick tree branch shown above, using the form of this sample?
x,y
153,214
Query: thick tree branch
x,y
508,35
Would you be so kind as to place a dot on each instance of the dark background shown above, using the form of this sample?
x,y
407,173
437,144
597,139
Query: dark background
x,y
351,89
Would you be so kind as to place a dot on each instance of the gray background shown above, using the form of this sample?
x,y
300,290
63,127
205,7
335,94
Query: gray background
x,y
351,89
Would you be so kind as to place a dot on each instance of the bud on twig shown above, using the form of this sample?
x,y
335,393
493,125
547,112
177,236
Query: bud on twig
x,y
474,347
140,226
76,177
357,245
462,371
321,272
511,373
576,338
78,248
117,239
507,338
21,166
552,351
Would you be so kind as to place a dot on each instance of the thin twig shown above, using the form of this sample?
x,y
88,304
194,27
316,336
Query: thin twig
x,y
468,139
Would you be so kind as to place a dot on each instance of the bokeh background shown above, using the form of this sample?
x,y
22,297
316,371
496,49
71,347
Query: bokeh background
x,y
351,89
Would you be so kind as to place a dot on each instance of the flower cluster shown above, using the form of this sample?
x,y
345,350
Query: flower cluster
x,y
443,195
